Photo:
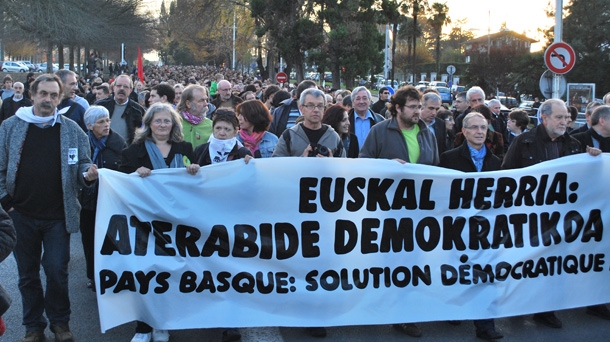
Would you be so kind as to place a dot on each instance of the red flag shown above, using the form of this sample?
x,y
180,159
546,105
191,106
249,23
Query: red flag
x,y
140,65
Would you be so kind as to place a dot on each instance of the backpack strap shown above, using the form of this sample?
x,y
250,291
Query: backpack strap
x,y
287,138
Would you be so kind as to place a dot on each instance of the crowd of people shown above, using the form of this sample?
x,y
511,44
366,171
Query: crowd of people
x,y
189,117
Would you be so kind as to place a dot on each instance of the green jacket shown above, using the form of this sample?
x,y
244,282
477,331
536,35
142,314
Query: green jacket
x,y
197,134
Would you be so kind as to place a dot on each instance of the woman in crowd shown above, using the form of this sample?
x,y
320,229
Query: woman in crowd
x,y
223,145
158,145
248,95
447,116
268,95
516,124
254,119
336,117
106,148
278,98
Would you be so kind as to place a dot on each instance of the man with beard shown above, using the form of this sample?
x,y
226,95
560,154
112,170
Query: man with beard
x,y
10,105
225,98
193,106
125,114
406,139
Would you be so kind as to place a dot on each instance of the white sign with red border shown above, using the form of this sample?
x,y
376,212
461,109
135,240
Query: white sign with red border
x,y
559,58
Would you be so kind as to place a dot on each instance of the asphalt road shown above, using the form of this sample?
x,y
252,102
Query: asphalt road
x,y
578,326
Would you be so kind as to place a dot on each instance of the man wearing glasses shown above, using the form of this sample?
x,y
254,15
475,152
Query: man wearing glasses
x,y
310,138
404,137
384,97
126,114
225,98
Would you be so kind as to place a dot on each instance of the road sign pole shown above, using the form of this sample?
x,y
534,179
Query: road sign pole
x,y
557,38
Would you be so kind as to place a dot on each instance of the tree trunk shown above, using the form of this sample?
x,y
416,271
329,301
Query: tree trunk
x,y
71,56
49,56
394,37
60,55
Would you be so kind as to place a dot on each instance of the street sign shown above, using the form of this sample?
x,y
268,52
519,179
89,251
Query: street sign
x,y
281,77
559,58
450,69
546,84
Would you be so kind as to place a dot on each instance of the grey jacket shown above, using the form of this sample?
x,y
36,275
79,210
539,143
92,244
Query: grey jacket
x,y
385,141
299,142
12,137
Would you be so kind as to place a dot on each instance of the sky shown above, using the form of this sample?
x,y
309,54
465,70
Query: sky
x,y
521,16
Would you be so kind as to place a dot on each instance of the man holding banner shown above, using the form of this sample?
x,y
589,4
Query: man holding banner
x,y
403,138
43,202
473,156
548,141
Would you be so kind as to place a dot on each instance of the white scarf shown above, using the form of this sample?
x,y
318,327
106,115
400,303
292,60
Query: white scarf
x,y
220,149
27,114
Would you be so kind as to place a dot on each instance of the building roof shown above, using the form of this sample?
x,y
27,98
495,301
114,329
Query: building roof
x,y
493,36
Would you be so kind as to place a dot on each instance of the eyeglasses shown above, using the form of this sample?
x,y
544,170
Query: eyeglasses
x,y
312,107
385,93
476,128
160,122
414,107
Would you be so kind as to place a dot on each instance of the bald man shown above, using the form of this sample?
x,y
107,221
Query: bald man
x,y
10,105
225,98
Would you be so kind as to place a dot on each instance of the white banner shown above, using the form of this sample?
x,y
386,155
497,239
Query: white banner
x,y
328,242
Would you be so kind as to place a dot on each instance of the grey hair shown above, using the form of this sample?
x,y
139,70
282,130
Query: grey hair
x,y
94,113
473,90
606,98
63,74
470,116
434,97
494,102
175,135
315,92
591,106
546,108
600,112
359,89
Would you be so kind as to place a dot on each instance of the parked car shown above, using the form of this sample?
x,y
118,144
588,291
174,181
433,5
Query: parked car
x,y
456,89
445,94
42,67
10,66
438,84
508,101
503,108
30,65
386,83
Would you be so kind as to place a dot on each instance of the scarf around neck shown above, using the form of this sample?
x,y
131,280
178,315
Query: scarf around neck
x,y
157,160
251,141
98,146
478,156
193,119
27,114
220,149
